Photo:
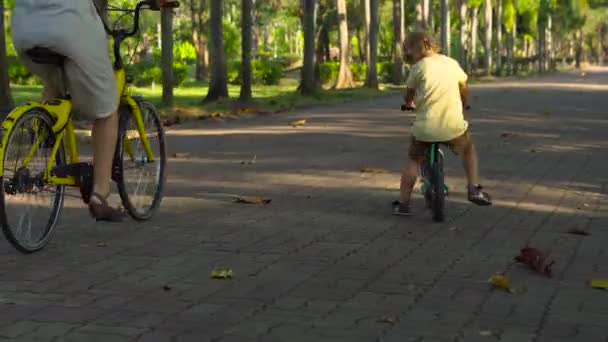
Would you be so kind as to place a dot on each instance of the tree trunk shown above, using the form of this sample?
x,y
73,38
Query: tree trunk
x,y
246,42
462,23
488,37
541,52
307,86
512,48
199,39
362,44
499,45
473,41
426,14
420,25
550,53
397,40
371,80
600,44
218,87
445,27
167,55
345,76
6,100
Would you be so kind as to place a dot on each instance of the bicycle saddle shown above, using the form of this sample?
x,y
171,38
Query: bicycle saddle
x,y
42,55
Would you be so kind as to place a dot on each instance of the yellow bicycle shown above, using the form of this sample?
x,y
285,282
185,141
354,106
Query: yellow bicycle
x,y
35,169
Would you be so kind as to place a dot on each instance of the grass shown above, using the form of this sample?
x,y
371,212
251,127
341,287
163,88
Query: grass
x,y
188,97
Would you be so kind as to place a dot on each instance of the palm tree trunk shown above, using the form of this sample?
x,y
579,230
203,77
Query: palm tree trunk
x,y
420,24
426,14
499,37
307,85
600,44
218,87
445,27
246,43
473,41
488,37
345,76
167,55
462,23
371,80
6,100
549,44
541,52
397,40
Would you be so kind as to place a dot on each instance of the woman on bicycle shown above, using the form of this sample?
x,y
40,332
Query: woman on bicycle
x,y
436,88
73,28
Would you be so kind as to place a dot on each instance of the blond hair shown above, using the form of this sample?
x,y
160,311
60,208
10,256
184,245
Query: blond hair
x,y
422,41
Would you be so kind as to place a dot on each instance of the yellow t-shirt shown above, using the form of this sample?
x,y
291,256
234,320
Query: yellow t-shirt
x,y
439,114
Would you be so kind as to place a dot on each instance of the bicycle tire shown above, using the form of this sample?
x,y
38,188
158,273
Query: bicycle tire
x,y
57,202
438,186
151,115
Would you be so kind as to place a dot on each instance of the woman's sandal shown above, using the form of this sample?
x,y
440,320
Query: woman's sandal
x,y
102,211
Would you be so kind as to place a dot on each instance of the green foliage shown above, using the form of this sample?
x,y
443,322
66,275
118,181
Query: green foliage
x,y
328,72
184,52
149,71
232,39
18,73
264,72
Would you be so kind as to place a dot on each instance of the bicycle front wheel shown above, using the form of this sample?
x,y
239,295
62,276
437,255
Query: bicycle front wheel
x,y
29,206
141,166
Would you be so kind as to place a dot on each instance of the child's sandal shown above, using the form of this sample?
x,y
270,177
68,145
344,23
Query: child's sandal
x,y
102,211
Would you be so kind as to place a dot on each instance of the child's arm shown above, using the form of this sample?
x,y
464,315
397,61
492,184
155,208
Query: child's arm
x,y
464,95
410,94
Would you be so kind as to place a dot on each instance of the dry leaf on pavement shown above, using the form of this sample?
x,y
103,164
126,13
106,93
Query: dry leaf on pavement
x,y
373,170
388,319
297,123
500,281
252,200
182,154
486,333
222,274
599,283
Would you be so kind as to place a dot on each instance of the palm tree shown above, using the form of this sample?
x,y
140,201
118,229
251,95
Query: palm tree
x,y
167,55
218,87
462,25
488,36
498,37
473,35
445,27
509,18
345,76
199,38
371,8
397,41
246,43
307,85
5,89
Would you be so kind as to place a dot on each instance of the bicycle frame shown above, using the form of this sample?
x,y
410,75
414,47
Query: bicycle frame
x,y
60,111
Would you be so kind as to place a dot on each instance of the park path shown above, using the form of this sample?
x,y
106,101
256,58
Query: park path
x,y
325,261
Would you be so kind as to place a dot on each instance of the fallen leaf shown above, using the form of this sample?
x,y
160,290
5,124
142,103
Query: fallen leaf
x,y
247,110
486,333
297,123
102,244
388,319
252,200
373,170
502,282
599,283
182,154
455,229
222,274
532,151
583,74
217,115
251,162
585,205
167,288
536,260
576,231
505,135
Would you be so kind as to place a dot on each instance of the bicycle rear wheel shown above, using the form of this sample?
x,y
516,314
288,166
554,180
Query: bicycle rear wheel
x,y
29,206
438,185
141,179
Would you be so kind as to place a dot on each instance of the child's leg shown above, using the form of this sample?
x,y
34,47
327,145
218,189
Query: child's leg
x,y
408,180
465,146
471,164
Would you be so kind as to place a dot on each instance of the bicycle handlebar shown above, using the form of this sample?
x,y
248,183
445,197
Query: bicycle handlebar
x,y
150,4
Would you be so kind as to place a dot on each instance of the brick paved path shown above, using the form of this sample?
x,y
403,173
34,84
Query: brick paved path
x,y
325,261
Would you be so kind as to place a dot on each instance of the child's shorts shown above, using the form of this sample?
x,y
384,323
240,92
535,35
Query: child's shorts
x,y
420,149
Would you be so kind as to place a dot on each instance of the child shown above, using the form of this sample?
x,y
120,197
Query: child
x,y
436,88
